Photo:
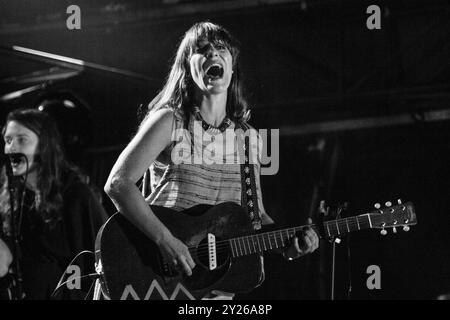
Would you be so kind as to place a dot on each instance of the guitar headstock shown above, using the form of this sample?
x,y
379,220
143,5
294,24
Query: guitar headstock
x,y
400,215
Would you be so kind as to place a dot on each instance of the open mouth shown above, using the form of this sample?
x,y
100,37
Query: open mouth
x,y
214,71
15,164
15,161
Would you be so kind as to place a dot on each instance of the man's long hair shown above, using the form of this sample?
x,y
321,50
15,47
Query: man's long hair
x,y
51,162
178,91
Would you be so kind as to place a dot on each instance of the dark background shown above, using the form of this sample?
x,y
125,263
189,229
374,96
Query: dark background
x,y
363,115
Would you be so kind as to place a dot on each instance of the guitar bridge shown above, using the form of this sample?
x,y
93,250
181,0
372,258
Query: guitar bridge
x,y
212,251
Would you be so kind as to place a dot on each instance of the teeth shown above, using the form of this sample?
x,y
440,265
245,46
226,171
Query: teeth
x,y
214,65
16,163
217,72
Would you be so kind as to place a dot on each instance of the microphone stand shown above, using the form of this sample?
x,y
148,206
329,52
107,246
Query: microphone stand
x,y
17,293
333,265
333,240
324,212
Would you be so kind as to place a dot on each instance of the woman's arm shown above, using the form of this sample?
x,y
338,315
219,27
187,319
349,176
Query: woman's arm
x,y
152,138
5,258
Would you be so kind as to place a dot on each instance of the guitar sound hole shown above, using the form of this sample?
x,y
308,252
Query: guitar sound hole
x,y
222,253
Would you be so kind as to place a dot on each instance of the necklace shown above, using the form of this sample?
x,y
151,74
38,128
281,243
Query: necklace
x,y
226,122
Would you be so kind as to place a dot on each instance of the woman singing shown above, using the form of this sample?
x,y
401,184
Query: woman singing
x,y
203,91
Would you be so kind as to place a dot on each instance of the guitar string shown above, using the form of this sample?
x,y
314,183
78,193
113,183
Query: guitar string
x,y
333,224
244,246
240,248
241,244
279,235
224,245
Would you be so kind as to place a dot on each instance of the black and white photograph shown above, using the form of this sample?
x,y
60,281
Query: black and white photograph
x,y
246,152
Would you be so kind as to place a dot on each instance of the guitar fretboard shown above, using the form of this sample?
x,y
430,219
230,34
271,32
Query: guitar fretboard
x,y
261,242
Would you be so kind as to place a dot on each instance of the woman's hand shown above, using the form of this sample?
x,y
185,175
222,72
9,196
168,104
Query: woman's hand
x,y
177,254
5,258
310,242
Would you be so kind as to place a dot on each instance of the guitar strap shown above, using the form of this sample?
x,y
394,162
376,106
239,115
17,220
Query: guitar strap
x,y
249,196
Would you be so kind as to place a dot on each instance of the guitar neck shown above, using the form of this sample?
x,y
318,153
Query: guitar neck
x,y
261,242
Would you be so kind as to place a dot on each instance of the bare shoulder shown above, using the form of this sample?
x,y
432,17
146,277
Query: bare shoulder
x,y
162,118
153,136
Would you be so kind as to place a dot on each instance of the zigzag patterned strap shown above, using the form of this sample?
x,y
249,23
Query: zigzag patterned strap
x,y
249,198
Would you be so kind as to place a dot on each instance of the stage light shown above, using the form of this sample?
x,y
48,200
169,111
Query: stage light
x,y
73,118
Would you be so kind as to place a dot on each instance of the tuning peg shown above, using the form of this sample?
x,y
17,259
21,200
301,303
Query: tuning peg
x,y
383,231
388,204
394,229
406,228
337,240
377,206
399,201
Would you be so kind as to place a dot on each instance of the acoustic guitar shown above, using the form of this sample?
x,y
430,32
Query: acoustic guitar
x,y
222,243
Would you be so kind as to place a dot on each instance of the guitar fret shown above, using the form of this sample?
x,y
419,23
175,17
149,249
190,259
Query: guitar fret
x,y
370,221
259,245
249,246
357,222
248,243
264,242
348,228
337,226
328,228
240,247
276,243
282,239
253,243
270,242
232,248
245,247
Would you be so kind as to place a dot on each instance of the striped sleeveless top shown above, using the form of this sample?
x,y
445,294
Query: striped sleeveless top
x,y
199,167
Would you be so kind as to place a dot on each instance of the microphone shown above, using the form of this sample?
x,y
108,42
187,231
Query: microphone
x,y
14,157
7,158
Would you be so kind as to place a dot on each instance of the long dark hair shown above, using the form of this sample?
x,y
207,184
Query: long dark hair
x,y
50,158
178,91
